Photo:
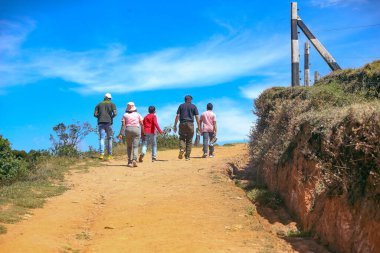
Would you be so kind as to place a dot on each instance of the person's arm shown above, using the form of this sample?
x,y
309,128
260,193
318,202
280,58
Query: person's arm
x,y
142,126
199,125
176,119
156,124
215,128
175,123
96,112
121,129
114,111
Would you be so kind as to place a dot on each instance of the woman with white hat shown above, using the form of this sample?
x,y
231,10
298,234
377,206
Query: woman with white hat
x,y
132,124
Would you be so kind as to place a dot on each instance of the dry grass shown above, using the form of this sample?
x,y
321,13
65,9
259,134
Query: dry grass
x,y
339,119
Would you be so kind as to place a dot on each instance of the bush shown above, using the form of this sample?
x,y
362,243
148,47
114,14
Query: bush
x,y
11,167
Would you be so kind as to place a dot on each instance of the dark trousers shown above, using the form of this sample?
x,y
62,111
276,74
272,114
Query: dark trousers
x,y
186,133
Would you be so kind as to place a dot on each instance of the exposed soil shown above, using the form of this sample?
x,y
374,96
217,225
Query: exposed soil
x,y
171,205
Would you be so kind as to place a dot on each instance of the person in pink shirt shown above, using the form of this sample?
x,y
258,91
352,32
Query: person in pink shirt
x,y
150,133
132,127
209,130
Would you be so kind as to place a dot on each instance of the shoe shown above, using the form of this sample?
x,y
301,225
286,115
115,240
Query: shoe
x,y
187,158
154,159
141,158
110,157
180,155
134,163
101,157
211,156
204,155
129,165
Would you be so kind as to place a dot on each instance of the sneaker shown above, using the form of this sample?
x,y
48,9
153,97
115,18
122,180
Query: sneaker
x,y
154,159
110,157
204,155
211,155
101,157
180,155
134,163
129,165
187,158
141,158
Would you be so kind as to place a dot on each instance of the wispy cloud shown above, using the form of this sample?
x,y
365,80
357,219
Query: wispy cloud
x,y
220,59
13,34
330,3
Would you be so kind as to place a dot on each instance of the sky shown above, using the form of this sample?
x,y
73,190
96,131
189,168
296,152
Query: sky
x,y
59,58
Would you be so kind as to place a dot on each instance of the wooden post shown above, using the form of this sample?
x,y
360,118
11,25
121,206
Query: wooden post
x,y
306,78
318,45
294,46
316,76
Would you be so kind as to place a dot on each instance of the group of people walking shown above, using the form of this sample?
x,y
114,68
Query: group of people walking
x,y
134,127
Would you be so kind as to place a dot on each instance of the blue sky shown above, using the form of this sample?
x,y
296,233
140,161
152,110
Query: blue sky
x,y
59,58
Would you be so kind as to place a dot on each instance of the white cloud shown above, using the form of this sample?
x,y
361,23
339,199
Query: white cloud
x,y
220,59
12,35
329,3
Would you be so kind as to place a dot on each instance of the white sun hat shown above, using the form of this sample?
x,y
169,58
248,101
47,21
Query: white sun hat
x,y
108,95
131,107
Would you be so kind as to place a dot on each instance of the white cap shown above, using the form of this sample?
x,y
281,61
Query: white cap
x,y
108,95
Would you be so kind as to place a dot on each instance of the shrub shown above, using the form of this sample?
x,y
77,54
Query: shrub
x,y
11,167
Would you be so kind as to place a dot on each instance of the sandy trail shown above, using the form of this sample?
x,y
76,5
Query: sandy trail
x,y
168,206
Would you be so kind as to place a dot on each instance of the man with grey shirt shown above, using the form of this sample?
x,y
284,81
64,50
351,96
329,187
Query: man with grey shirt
x,y
105,111
185,114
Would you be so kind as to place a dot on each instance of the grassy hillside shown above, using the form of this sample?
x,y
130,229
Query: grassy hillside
x,y
340,117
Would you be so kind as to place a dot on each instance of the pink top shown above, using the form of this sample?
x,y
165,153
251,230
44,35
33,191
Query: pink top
x,y
132,119
208,118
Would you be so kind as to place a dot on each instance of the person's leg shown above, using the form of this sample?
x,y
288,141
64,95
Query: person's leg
x,y
189,138
212,135
135,144
153,138
102,134
110,139
128,137
182,140
205,143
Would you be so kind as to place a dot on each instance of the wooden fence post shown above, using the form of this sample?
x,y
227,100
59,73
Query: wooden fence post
x,y
306,78
294,46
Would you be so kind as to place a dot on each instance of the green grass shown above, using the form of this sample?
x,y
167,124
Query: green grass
x,y
3,230
297,233
45,181
264,197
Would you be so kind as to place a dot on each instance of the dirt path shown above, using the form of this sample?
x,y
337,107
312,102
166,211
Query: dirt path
x,y
167,206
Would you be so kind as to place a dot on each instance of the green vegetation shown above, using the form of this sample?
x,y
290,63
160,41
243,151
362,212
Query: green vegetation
x,y
258,194
336,123
27,179
298,233
3,229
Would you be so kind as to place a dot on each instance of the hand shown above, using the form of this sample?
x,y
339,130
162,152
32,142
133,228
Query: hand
x,y
175,129
120,137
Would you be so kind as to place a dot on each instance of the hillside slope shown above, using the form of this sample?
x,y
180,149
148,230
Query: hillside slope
x,y
319,148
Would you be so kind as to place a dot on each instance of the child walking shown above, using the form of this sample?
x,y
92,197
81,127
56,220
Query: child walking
x,y
150,134
208,123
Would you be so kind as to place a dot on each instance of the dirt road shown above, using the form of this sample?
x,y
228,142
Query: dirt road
x,y
168,206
